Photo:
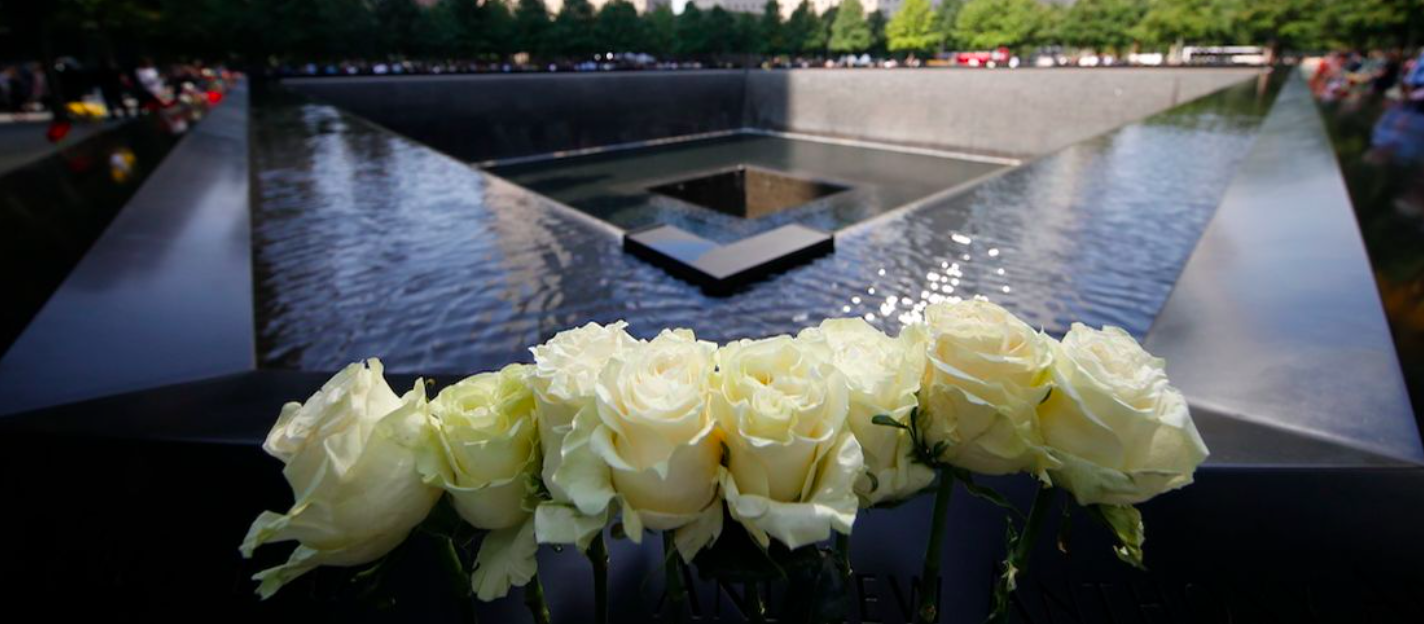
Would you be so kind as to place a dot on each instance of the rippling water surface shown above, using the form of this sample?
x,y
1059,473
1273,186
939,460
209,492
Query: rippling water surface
x,y
369,244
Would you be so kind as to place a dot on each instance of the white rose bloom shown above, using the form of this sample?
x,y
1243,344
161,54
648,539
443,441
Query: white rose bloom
x,y
1121,431
486,453
792,461
883,374
987,372
351,455
566,369
650,443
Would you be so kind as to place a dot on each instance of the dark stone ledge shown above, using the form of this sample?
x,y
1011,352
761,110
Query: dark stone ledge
x,y
1276,324
722,269
165,294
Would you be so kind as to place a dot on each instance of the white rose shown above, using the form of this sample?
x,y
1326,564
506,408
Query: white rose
x,y
650,443
792,462
1122,433
986,374
351,455
565,372
486,452
883,374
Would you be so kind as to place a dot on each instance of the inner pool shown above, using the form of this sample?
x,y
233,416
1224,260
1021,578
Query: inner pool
x,y
633,188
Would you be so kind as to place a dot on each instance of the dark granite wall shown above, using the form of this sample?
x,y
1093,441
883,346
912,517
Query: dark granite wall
x,y
1019,113
479,118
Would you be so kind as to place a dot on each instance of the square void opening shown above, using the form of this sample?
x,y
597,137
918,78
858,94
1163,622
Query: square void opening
x,y
748,192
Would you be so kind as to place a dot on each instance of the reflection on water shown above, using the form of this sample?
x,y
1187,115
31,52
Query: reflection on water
x,y
1380,144
370,244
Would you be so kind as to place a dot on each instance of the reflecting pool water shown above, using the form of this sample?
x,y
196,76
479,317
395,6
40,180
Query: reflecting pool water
x,y
367,243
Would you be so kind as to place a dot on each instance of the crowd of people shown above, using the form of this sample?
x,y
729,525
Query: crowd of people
x,y
68,88
1339,75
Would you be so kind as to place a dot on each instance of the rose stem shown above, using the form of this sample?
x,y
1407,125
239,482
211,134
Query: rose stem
x,y
676,594
756,609
843,553
929,576
598,556
534,599
1020,550
459,579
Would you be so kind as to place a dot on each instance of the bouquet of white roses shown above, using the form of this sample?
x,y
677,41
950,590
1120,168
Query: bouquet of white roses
x,y
787,437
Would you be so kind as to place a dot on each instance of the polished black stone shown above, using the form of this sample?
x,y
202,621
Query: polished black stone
x,y
723,269
153,536
1380,145
54,207
165,294
1276,320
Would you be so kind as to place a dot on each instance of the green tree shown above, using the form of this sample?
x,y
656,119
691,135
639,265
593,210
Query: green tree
x,y
573,32
986,24
771,31
849,32
878,41
945,17
1103,25
802,30
1050,24
692,39
820,41
747,33
531,27
397,19
1171,23
1278,24
619,29
721,31
498,24
915,28
437,30
1373,23
660,28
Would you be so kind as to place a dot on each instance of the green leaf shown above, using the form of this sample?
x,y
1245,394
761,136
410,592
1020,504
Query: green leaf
x,y
1125,523
985,492
938,449
885,420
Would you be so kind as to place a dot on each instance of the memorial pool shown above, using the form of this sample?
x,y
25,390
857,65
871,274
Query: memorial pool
x,y
368,242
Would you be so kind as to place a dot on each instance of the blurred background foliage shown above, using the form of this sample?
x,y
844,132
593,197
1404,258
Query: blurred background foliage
x,y
274,31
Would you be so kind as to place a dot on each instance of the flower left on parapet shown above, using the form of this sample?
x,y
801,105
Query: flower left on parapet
x,y
351,453
367,467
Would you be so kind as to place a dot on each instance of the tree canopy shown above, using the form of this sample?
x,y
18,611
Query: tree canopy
x,y
915,28
1101,24
850,33
985,24
263,31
